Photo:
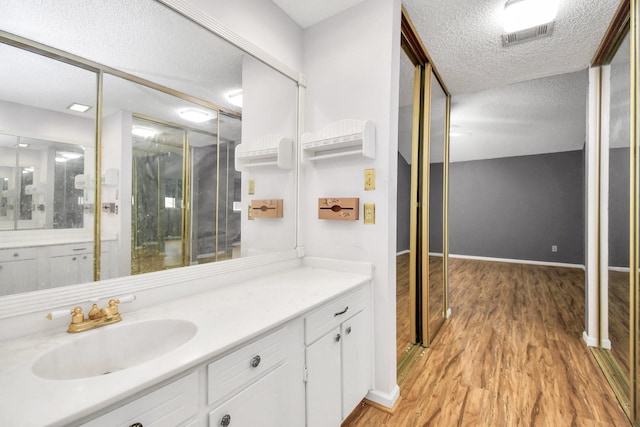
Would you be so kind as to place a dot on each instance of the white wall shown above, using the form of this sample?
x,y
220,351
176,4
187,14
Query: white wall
x,y
260,22
269,108
352,66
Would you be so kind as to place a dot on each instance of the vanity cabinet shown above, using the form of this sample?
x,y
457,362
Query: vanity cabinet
x,y
70,264
261,383
338,358
169,406
18,270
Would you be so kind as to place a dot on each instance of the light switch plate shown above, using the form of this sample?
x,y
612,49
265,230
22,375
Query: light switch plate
x,y
369,213
369,179
252,186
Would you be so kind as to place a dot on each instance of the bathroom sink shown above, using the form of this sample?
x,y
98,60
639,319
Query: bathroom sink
x,y
113,348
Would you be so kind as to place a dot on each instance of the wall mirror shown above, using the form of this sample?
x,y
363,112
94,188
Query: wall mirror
x,y
170,108
437,264
618,205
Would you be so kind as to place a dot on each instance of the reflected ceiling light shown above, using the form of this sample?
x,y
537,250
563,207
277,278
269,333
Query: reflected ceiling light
x,y
235,98
71,155
23,145
196,116
143,132
522,14
80,108
61,159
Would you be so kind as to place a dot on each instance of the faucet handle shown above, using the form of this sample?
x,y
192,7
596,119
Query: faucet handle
x,y
125,298
59,313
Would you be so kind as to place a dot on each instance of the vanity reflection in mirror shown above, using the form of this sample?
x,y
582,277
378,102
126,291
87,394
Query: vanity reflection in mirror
x,y
169,119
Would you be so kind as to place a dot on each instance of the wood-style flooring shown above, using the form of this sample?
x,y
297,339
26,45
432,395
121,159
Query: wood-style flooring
x,y
619,317
512,354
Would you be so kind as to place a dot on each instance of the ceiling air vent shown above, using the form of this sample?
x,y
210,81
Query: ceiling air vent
x,y
543,30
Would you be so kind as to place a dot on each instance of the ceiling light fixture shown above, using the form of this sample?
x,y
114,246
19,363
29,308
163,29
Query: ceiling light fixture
x,y
143,132
522,14
80,108
23,145
61,160
71,155
235,98
196,116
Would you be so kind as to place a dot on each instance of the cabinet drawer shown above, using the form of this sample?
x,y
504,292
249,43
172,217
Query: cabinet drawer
x,y
17,254
262,404
227,375
168,406
330,315
75,249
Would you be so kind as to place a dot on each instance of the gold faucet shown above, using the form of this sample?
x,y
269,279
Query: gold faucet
x,y
96,318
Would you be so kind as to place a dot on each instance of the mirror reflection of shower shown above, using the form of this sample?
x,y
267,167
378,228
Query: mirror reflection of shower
x,y
184,183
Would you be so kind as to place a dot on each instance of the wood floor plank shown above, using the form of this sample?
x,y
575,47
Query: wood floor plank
x,y
512,354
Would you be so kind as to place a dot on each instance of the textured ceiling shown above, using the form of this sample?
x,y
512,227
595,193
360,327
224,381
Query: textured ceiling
x,y
463,38
534,117
143,38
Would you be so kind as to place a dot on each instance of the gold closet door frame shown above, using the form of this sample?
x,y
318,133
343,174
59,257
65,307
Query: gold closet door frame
x,y
425,170
415,202
634,256
424,69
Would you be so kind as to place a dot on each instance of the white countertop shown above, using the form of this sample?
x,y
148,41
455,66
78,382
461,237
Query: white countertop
x,y
225,317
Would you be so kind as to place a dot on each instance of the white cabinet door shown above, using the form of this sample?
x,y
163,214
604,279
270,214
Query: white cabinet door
x,y
85,268
263,404
63,270
356,361
18,276
324,381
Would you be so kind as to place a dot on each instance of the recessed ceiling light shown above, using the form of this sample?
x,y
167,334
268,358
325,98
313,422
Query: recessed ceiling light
x,y
143,132
195,115
235,98
80,108
71,155
522,14
23,145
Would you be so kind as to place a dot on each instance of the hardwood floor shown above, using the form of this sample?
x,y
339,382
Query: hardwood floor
x,y
404,340
619,317
512,354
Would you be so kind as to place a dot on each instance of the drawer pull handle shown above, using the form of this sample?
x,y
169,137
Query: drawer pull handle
x,y
348,330
225,421
340,313
136,425
84,249
255,362
338,338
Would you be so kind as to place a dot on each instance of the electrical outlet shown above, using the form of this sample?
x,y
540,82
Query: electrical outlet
x,y
369,213
554,248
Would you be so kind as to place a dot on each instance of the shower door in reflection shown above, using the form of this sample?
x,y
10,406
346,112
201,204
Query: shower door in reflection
x,y
157,196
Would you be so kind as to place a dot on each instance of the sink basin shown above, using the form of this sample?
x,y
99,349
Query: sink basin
x,y
113,348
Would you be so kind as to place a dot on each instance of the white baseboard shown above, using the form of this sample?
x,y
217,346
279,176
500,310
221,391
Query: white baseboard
x,y
606,344
449,312
406,251
591,341
388,400
620,269
518,261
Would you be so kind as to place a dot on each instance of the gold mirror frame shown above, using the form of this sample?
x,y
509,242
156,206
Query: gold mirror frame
x,y
624,384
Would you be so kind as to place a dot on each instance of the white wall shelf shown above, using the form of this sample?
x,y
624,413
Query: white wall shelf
x,y
269,150
342,138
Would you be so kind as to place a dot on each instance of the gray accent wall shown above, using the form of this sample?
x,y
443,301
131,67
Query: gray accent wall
x,y
619,207
404,205
518,207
